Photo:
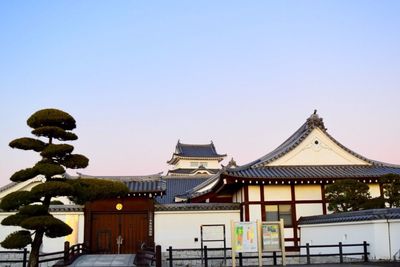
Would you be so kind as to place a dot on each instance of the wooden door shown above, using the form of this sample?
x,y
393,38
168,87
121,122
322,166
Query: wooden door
x,y
104,233
134,231
106,227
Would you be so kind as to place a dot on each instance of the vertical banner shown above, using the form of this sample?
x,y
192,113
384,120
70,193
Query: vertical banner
x,y
245,237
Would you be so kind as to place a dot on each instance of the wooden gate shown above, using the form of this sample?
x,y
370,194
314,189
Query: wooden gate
x,y
113,232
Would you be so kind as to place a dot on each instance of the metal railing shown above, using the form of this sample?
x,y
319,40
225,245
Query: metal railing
x,y
271,255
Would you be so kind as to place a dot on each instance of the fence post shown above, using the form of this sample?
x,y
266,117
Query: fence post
x,y
25,257
158,256
170,257
205,257
66,251
308,253
240,259
365,251
340,252
274,257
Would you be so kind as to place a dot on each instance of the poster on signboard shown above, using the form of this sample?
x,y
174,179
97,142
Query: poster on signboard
x,y
246,237
271,239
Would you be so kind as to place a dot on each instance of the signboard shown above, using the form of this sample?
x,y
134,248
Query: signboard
x,y
213,232
271,236
245,237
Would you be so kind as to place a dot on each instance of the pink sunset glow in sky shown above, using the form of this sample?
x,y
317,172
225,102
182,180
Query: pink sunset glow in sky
x,y
138,76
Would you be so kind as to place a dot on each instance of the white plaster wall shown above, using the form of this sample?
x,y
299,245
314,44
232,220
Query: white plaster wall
x,y
179,228
23,186
185,164
394,229
277,192
308,210
308,192
374,232
326,152
255,212
208,186
51,244
254,193
374,190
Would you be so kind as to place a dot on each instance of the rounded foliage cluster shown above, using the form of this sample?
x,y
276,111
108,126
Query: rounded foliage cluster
x,y
27,143
51,117
92,189
17,240
17,199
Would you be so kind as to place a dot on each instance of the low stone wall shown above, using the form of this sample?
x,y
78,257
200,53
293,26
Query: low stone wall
x,y
11,256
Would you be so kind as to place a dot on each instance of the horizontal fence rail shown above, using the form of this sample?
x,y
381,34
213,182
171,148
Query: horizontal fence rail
x,y
62,257
271,255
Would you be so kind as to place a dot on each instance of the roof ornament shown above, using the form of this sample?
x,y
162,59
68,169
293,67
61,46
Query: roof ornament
x,y
231,164
315,121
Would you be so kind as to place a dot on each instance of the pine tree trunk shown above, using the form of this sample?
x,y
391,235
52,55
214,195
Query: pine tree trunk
x,y
37,242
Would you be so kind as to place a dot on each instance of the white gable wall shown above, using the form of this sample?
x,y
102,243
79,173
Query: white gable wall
x,y
317,149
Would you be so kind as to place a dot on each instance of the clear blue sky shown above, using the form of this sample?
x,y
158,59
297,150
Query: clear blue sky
x,y
139,75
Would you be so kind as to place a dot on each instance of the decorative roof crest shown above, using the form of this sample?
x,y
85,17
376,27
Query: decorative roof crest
x,y
231,164
315,121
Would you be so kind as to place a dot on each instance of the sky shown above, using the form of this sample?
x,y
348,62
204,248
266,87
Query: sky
x,y
140,75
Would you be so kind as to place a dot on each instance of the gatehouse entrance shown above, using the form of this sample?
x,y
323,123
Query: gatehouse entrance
x,y
119,226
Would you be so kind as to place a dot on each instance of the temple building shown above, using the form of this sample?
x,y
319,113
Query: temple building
x,y
195,159
289,182
192,164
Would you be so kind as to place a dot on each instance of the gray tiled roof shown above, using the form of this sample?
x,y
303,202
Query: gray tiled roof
x,y
197,206
190,171
195,150
7,186
63,208
146,186
178,186
136,184
314,171
353,216
260,169
314,121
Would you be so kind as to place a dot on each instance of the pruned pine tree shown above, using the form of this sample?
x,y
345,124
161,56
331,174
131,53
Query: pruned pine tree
x,y
32,207
390,184
347,195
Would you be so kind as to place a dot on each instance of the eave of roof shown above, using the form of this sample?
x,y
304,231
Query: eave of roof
x,y
195,151
313,171
136,184
258,169
353,216
197,206
183,171
313,122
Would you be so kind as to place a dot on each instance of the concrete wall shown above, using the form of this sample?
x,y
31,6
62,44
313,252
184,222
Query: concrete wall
x,y
382,235
180,228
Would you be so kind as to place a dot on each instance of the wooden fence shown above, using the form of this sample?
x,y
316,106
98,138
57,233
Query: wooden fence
x,y
63,257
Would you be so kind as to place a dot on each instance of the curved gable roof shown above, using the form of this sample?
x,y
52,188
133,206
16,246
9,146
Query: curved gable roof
x,y
313,122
